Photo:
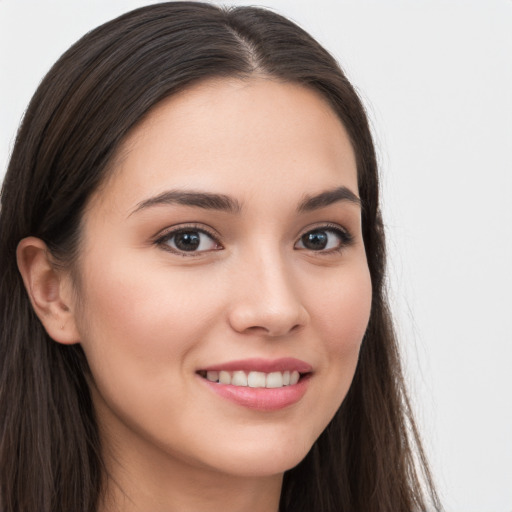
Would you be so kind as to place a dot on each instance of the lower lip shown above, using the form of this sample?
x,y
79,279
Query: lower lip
x,y
261,399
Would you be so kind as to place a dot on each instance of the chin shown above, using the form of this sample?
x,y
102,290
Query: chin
x,y
258,467
264,456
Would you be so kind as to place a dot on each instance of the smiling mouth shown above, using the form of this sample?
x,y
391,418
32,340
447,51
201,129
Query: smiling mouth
x,y
259,384
253,379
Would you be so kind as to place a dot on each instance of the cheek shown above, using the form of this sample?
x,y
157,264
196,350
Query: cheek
x,y
342,310
137,318
139,330
341,317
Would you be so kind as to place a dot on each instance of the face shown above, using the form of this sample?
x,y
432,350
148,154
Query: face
x,y
226,245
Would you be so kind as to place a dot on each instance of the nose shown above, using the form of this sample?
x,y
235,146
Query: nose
x,y
268,300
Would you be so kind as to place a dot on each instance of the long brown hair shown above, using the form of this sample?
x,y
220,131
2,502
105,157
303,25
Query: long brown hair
x,y
369,457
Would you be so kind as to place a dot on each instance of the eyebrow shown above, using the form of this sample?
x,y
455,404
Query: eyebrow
x,y
205,200
324,199
222,202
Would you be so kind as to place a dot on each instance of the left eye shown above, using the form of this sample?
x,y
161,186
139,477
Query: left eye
x,y
324,239
189,240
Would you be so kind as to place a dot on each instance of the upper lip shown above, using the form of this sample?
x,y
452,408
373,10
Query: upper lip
x,y
263,365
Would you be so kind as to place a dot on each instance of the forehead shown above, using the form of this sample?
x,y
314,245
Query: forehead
x,y
232,136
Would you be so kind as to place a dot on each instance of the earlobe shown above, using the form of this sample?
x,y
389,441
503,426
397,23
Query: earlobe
x,y
49,290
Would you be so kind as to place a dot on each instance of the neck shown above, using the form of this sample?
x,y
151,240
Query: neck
x,y
154,482
182,493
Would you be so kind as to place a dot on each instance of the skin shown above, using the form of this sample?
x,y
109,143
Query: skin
x,y
149,318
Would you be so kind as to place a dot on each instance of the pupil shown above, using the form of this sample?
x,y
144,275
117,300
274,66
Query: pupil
x,y
315,240
188,241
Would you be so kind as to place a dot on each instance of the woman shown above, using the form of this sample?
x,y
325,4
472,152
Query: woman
x,y
192,263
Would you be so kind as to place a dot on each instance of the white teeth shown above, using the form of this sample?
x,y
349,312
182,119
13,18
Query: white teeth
x,y
213,376
294,377
274,380
254,379
224,377
239,379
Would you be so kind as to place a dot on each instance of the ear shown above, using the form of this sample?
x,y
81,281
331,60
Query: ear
x,y
49,289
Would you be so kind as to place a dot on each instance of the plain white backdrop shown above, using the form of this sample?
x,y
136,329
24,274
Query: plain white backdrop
x,y
436,77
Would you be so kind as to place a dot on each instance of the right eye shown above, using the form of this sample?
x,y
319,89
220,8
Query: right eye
x,y
189,241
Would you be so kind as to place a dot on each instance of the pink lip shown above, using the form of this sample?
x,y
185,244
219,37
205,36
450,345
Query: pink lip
x,y
262,399
263,365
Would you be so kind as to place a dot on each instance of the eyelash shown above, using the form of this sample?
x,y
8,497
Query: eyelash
x,y
163,240
344,236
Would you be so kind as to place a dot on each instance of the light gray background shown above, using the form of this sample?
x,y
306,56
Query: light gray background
x,y
436,77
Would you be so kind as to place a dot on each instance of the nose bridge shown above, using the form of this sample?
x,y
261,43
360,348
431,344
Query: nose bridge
x,y
269,301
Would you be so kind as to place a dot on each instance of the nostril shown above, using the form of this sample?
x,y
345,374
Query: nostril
x,y
256,328
273,331
268,316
